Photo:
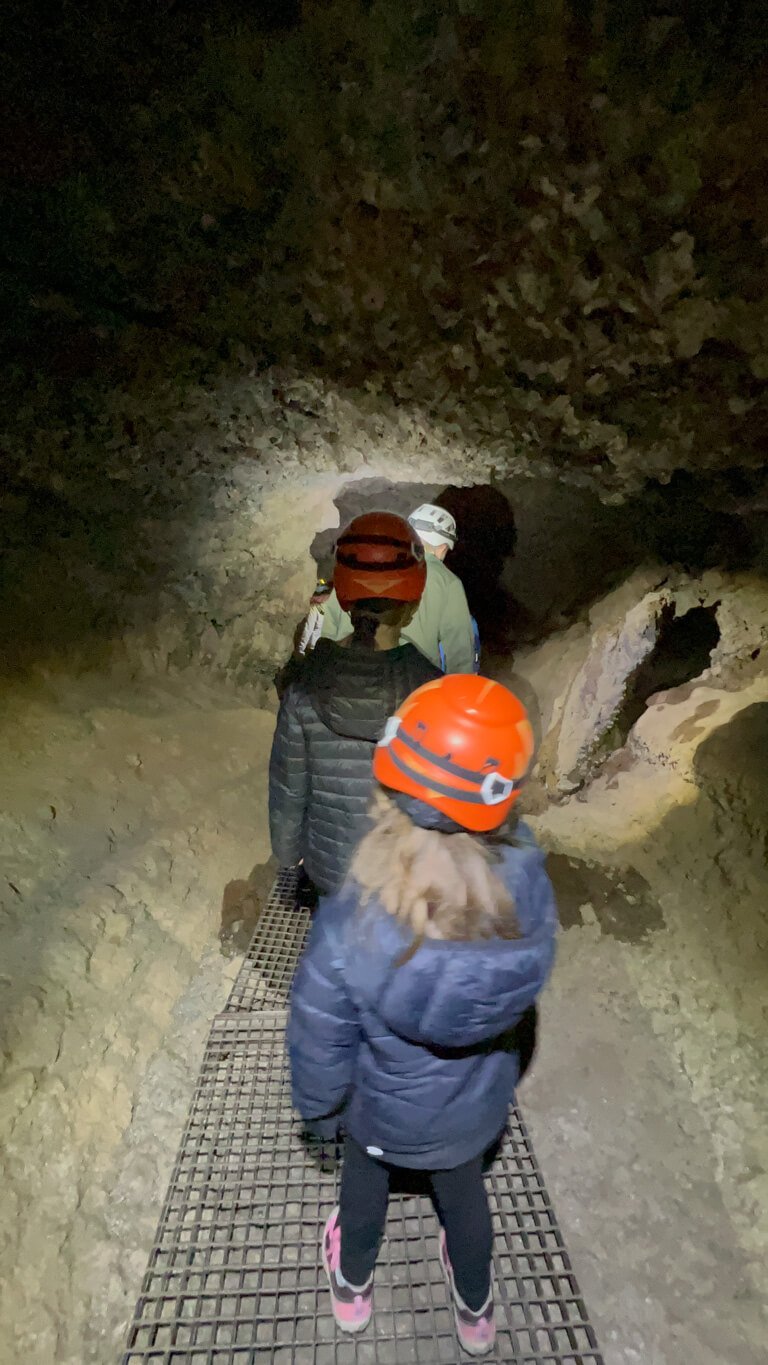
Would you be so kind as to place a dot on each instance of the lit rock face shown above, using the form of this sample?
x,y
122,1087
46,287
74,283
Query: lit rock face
x,y
678,802
597,692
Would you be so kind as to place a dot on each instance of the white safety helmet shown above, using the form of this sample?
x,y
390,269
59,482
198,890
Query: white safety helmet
x,y
434,525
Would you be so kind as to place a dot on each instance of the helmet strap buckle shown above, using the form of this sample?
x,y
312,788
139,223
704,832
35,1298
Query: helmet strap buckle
x,y
495,789
390,731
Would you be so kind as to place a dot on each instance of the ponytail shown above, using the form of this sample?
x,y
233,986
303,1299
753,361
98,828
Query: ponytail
x,y
371,613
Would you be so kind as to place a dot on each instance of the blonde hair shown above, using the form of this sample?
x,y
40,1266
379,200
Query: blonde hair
x,y
437,885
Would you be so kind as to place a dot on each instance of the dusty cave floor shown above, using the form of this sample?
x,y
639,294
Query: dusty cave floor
x,y
135,808
631,1168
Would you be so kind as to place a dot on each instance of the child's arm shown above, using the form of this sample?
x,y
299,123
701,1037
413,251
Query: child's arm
x,y
323,1033
288,785
306,638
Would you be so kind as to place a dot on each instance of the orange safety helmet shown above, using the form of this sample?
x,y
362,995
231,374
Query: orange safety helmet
x,y
379,555
463,745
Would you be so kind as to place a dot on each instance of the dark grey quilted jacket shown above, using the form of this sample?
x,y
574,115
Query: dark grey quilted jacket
x,y
320,769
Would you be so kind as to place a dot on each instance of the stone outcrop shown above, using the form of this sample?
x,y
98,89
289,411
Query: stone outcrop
x,y
680,807
597,692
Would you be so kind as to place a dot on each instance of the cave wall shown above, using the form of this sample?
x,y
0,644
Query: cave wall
x,y
125,812
181,536
543,225
678,812
146,542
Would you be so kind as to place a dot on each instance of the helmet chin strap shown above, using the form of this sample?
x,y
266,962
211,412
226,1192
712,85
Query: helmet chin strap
x,y
426,817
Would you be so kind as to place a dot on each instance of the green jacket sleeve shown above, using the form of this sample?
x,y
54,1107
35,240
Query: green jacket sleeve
x,y
456,635
336,623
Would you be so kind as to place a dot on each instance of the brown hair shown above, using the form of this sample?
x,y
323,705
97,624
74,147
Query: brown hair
x,y
369,614
437,885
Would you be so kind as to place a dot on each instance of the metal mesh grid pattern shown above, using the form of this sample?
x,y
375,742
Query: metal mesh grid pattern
x,y
234,1276
264,980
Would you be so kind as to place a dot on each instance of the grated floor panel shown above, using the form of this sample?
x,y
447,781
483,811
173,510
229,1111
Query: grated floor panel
x,y
264,980
233,1275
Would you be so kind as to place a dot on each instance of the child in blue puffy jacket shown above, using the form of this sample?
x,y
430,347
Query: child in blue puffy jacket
x,y
407,1004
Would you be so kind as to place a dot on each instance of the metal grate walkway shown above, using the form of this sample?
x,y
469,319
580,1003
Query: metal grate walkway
x,y
233,1275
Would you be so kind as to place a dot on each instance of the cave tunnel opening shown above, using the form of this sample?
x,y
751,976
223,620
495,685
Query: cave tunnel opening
x,y
682,652
534,551
534,554
531,553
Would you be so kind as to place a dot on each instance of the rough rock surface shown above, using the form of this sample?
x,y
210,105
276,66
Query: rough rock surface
x,y
545,229
682,806
627,1152
190,544
178,533
125,813
596,694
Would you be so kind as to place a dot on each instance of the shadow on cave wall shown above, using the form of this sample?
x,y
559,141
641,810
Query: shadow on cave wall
x,y
730,767
701,522
485,521
727,823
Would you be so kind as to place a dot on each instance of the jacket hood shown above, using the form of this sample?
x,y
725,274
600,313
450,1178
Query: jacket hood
x,y
354,690
456,995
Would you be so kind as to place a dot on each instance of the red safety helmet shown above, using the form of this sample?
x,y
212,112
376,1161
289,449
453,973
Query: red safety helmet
x,y
462,744
379,555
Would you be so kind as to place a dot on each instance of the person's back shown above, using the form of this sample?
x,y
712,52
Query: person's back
x,y
320,771
429,1092
443,620
407,1007
341,695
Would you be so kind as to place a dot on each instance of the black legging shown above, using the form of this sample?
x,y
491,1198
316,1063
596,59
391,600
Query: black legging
x,y
462,1207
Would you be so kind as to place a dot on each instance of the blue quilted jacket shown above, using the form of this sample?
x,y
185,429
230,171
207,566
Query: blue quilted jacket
x,y
417,1062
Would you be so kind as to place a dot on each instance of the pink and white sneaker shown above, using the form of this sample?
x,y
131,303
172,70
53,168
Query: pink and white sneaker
x,y
476,1331
352,1307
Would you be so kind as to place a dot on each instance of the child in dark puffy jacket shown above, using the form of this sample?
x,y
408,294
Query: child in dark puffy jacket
x,y
407,1004
337,705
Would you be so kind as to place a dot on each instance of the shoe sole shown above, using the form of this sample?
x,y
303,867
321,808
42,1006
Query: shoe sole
x,y
351,1328
472,1350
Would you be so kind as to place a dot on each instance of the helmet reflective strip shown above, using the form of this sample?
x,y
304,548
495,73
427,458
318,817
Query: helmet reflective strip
x,y
467,774
397,541
493,791
434,527
402,561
